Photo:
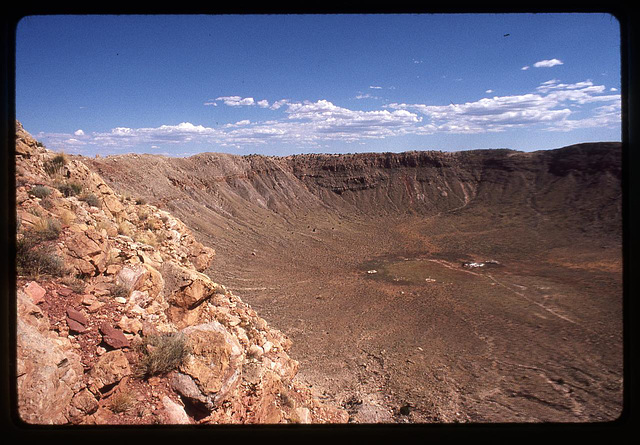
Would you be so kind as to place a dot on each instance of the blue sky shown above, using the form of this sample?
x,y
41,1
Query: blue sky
x,y
286,84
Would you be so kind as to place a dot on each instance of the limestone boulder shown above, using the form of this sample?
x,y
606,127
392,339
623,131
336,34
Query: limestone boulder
x,y
213,369
186,288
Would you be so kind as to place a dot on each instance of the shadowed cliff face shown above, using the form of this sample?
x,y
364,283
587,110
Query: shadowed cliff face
x,y
363,260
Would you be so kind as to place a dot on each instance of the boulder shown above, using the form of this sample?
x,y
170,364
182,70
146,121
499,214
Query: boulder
x,y
212,370
174,412
35,291
132,276
109,369
113,337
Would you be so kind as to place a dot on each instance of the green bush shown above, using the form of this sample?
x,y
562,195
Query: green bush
x,y
161,353
40,191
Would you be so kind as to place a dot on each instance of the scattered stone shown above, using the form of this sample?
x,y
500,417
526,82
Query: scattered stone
x,y
304,415
113,337
256,351
76,321
372,271
64,291
35,292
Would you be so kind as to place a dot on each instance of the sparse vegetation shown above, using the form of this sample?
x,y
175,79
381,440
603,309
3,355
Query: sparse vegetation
x,y
141,201
33,260
119,290
161,353
66,216
143,214
55,166
47,203
40,191
90,199
46,229
121,401
147,237
150,225
75,284
70,188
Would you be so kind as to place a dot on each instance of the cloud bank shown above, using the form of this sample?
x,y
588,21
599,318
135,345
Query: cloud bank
x,y
552,106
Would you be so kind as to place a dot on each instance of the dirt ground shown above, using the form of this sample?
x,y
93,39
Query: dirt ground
x,y
398,330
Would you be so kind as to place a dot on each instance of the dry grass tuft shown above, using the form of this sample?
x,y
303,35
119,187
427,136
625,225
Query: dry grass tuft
x,y
161,353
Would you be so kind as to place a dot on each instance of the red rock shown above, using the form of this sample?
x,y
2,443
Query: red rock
x,y
64,291
113,337
35,292
77,316
75,326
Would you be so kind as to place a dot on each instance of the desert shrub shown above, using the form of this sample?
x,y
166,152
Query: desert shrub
x,y
69,189
33,260
147,237
74,283
40,191
124,229
47,203
54,166
141,201
119,290
151,225
121,401
161,353
90,199
46,229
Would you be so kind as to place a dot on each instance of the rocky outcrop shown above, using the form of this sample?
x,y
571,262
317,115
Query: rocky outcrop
x,y
103,280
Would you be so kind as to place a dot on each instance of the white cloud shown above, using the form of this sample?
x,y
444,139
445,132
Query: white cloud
x,y
236,101
548,106
547,63
78,133
375,87
279,103
524,68
613,89
552,106
263,103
